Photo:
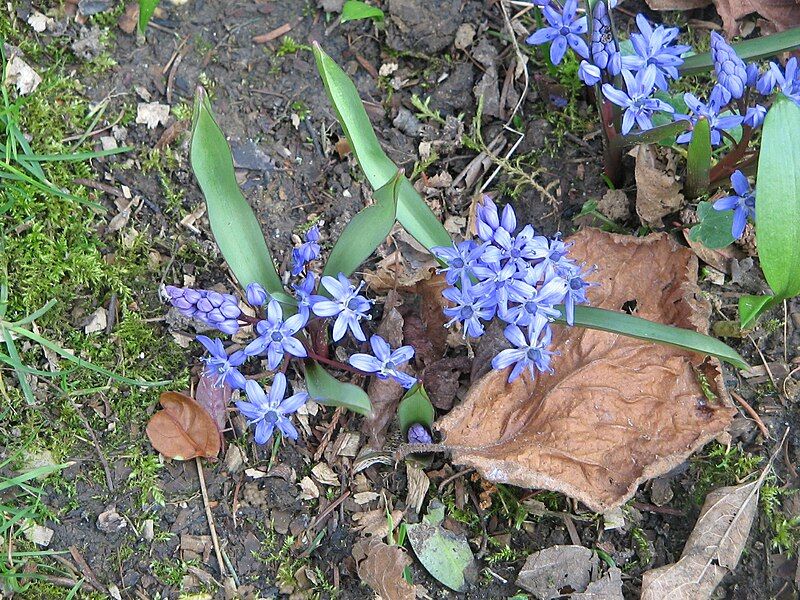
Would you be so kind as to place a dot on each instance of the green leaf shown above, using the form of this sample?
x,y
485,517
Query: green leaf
x,y
714,228
663,134
233,223
365,232
778,199
412,212
751,307
747,50
444,554
146,10
355,10
325,389
625,324
415,407
15,360
698,160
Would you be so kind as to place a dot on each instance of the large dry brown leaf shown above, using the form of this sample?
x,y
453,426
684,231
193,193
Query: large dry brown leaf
x,y
713,548
783,14
617,411
677,4
381,566
183,430
658,193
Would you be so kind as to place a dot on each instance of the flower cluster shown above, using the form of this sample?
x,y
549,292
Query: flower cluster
x,y
655,61
522,278
279,335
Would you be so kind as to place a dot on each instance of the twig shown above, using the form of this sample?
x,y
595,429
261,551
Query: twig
x,y
664,510
210,517
328,509
86,570
572,530
454,477
764,360
521,60
103,461
407,449
751,411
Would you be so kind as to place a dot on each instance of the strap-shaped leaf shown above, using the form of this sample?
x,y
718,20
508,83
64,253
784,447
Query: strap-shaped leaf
x,y
625,324
698,159
412,212
146,10
235,227
325,389
415,407
655,135
366,231
751,307
754,49
778,199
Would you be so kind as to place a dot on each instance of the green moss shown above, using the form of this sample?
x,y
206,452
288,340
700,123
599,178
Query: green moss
x,y
721,466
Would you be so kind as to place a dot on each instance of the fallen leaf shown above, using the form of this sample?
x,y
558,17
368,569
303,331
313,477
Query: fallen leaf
x,y
418,484
325,475
152,114
98,321
381,567
183,430
308,489
658,193
617,411
129,20
677,4
365,497
713,548
376,523
783,14
441,380
558,571
37,534
21,74
721,259
40,22
213,398
608,587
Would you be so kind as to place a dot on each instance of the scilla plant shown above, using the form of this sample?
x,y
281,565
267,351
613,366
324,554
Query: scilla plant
x,y
717,132
527,280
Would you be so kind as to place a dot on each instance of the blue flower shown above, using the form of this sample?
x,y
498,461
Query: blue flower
x,y
488,220
417,434
267,412
588,73
530,352
637,104
731,70
710,111
576,287
385,362
788,80
256,294
347,306
212,308
534,302
754,116
605,54
304,292
470,308
766,83
743,205
653,47
460,259
515,250
275,336
221,365
565,28
753,73
496,283
306,252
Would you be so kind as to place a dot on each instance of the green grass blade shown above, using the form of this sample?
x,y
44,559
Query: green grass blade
x,y
325,389
146,10
698,160
628,325
81,362
233,222
27,391
28,475
36,314
412,211
74,157
365,232
778,199
747,50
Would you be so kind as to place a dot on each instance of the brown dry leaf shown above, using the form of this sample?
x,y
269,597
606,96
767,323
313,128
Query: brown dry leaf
x,y
713,548
381,567
403,268
617,411
557,571
183,430
677,4
213,398
783,14
418,485
657,192
376,523
721,259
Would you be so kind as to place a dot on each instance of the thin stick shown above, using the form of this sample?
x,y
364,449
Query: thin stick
x,y
210,517
764,360
103,461
455,476
751,411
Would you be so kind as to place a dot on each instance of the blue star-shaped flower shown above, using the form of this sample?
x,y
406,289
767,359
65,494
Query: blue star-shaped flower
x,y
530,352
566,28
275,336
267,412
347,306
219,364
710,111
471,307
654,47
637,102
743,205
385,363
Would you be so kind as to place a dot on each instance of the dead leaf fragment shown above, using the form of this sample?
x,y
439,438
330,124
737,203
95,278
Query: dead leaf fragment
x,y
381,567
308,489
658,193
325,475
558,571
617,411
21,74
213,398
375,522
677,4
418,484
782,14
152,114
183,430
713,548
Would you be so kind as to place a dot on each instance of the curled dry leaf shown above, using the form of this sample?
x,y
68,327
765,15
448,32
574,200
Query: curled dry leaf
x,y
213,398
617,411
713,548
658,193
381,567
183,430
783,14
557,571
677,4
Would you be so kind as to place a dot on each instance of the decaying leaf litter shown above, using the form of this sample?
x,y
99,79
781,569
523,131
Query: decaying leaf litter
x,y
358,494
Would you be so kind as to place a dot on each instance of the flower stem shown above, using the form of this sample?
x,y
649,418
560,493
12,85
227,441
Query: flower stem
x,y
333,363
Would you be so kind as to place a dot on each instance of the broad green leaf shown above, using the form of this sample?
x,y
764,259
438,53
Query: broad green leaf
x,y
748,50
663,134
355,10
365,232
415,407
444,554
698,160
751,307
714,228
778,199
625,324
325,389
146,10
235,227
412,212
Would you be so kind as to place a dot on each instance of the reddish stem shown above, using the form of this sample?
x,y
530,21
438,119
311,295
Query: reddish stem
x,y
729,163
333,363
